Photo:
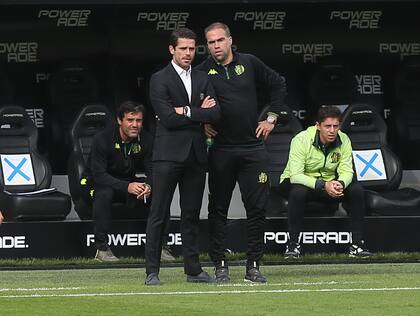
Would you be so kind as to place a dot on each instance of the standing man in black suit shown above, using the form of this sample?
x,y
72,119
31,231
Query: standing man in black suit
x,y
183,99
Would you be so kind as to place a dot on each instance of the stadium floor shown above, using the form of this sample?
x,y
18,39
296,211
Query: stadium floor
x,y
333,289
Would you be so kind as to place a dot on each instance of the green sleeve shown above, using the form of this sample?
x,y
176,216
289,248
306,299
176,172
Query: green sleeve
x,y
297,160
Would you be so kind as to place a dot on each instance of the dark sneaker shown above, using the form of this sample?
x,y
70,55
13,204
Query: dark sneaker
x,y
221,275
221,272
254,275
166,255
292,251
106,256
359,250
152,279
202,277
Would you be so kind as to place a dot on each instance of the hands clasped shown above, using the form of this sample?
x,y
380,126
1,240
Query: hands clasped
x,y
334,188
139,189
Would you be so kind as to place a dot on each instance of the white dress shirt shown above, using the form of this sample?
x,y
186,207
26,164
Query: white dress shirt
x,y
185,76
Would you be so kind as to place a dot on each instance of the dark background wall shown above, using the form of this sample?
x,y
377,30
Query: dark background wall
x,y
54,58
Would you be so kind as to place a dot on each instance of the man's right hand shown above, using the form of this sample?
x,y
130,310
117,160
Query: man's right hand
x,y
209,130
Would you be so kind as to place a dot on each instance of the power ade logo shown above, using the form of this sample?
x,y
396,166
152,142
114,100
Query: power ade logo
x,y
310,237
310,51
262,20
20,52
39,77
133,239
13,242
369,84
165,21
358,19
37,116
402,49
67,18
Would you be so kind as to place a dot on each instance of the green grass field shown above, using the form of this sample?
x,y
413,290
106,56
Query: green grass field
x,y
328,289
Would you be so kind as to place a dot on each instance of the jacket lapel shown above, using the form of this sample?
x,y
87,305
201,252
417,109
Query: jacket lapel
x,y
174,77
195,98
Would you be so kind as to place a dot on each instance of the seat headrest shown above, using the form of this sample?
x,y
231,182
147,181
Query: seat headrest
x,y
363,118
14,121
91,119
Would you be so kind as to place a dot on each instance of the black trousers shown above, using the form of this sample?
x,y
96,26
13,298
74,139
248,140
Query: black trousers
x,y
249,169
298,195
104,197
190,177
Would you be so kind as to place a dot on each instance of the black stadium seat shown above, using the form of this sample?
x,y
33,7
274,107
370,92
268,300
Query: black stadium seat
x,y
406,114
72,86
367,131
91,120
277,146
332,82
24,170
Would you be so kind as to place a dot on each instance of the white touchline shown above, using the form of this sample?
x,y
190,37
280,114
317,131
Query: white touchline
x,y
285,283
390,289
40,289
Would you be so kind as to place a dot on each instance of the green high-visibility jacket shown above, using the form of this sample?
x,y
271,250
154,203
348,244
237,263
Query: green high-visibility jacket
x,y
309,165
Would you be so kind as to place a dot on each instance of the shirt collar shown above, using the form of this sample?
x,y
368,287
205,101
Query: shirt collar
x,y
180,71
234,60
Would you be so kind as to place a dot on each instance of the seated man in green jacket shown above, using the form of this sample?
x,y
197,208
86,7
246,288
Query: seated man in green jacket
x,y
320,169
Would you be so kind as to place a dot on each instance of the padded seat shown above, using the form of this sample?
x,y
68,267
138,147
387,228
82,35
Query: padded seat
x,y
332,83
406,114
72,86
29,171
367,131
91,120
277,146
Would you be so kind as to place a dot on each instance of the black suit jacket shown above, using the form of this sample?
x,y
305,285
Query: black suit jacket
x,y
177,134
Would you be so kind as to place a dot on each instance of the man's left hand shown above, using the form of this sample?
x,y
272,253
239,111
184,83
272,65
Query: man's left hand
x,y
264,128
146,191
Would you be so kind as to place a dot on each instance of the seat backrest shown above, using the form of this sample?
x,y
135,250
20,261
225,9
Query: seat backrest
x,y
91,120
18,149
406,114
72,86
367,131
331,83
278,143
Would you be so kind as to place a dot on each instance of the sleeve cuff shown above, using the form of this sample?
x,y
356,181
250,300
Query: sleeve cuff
x,y
319,185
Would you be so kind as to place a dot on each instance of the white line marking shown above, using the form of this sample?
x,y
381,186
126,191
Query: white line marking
x,y
212,292
286,283
41,289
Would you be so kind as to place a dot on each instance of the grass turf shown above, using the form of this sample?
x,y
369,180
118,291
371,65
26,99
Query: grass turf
x,y
333,289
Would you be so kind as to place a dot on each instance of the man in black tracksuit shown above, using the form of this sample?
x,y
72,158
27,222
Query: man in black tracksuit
x,y
117,155
238,152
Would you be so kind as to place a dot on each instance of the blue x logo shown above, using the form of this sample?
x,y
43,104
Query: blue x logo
x,y
369,164
16,169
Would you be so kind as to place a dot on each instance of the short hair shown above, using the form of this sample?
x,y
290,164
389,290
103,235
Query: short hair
x,y
181,33
128,107
217,25
325,112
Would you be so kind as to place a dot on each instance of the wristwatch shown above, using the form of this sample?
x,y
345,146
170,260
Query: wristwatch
x,y
271,119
